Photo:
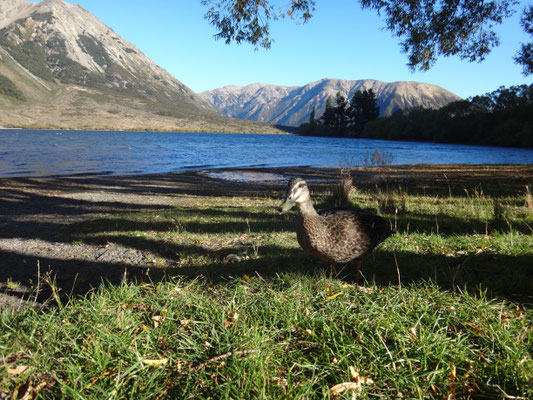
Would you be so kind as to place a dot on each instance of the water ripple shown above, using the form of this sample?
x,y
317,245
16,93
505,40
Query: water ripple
x,y
44,153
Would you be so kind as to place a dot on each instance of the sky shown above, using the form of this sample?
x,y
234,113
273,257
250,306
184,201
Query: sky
x,y
341,41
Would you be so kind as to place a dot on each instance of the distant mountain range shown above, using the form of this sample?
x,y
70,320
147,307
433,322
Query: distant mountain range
x,y
292,105
62,67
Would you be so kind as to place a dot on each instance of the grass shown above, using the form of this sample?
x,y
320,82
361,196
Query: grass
x,y
288,337
234,309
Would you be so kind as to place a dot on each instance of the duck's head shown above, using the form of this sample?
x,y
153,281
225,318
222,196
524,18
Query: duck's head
x,y
297,193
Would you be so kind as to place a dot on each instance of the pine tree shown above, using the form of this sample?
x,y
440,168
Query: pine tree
x,y
340,110
328,118
363,108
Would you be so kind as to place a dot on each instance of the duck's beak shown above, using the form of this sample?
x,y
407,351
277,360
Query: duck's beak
x,y
286,205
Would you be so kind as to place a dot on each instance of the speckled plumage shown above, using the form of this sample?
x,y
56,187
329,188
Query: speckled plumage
x,y
335,236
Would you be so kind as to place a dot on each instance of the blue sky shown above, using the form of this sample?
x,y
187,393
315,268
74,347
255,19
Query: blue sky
x,y
340,41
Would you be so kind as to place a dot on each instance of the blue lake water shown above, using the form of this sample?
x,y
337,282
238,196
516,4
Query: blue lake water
x,y
42,153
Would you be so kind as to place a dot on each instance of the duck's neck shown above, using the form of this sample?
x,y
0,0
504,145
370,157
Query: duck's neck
x,y
306,209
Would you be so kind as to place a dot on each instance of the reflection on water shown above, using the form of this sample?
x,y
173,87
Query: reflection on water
x,y
40,153
246,176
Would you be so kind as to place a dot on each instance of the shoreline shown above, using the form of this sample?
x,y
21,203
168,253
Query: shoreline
x,y
303,168
280,131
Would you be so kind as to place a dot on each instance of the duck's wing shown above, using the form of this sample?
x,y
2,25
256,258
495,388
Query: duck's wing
x,y
358,225
376,228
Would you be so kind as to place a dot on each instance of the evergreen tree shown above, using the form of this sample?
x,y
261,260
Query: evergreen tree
x,y
312,119
363,108
340,111
328,118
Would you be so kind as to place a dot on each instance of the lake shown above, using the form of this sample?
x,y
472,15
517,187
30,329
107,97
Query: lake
x,y
56,152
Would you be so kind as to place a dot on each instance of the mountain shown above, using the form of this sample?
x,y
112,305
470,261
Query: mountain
x,y
62,67
292,105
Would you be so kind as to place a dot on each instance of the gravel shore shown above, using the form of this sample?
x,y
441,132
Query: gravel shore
x,y
36,214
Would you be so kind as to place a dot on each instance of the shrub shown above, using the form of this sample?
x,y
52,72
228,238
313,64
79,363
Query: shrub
x,y
8,88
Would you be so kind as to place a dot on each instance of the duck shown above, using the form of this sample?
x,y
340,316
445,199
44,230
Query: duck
x,y
337,236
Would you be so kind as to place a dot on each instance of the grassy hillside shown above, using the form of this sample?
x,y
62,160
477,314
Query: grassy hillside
x,y
61,68
28,101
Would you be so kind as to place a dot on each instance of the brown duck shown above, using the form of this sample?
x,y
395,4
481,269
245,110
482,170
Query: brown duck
x,y
336,236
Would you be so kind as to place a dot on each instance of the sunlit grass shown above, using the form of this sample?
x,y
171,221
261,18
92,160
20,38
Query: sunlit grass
x,y
292,336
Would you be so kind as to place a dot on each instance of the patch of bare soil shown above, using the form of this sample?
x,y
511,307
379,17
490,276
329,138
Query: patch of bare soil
x,y
36,215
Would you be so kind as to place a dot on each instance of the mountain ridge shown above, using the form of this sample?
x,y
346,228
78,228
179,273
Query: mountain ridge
x,y
292,105
60,66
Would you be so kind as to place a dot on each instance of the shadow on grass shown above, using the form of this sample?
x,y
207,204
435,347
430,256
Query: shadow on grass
x,y
207,221
25,212
509,277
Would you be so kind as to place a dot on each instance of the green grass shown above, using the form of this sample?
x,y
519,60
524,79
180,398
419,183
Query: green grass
x,y
289,337
445,310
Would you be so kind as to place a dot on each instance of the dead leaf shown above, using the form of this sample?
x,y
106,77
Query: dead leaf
x,y
342,387
106,373
412,332
353,386
232,317
518,311
453,375
31,391
155,363
475,327
365,289
19,370
15,356
333,296
435,389
358,378
280,381
157,319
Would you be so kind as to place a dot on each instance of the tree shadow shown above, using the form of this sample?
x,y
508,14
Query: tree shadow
x,y
54,217
509,277
504,276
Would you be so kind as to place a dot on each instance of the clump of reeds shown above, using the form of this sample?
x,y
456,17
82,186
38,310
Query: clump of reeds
x,y
378,159
499,218
529,199
391,200
342,188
